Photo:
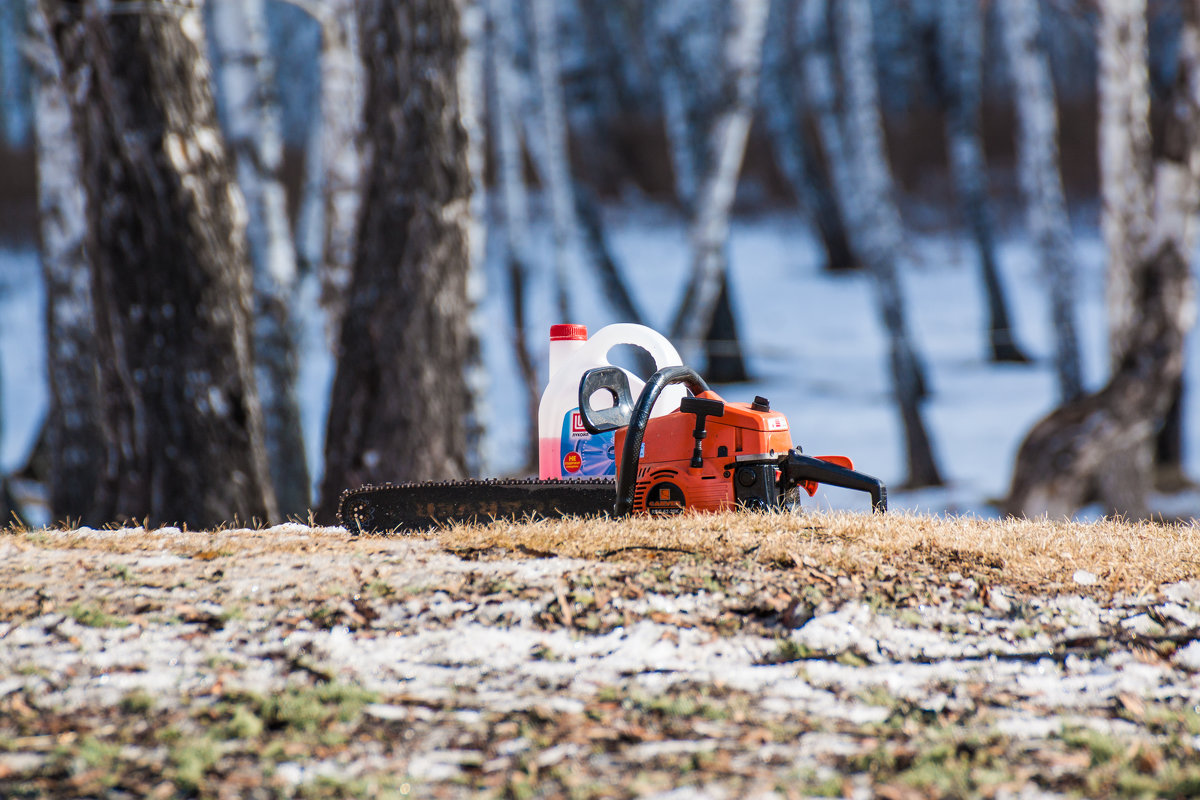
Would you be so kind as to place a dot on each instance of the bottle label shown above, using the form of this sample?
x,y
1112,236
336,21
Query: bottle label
x,y
586,454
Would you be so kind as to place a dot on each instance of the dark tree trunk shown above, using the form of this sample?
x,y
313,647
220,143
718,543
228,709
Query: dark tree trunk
x,y
171,282
1169,474
839,256
723,345
529,372
400,399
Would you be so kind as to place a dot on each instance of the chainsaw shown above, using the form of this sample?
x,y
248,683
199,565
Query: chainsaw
x,y
708,455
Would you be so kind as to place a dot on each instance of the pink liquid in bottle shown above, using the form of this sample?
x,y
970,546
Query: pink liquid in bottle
x,y
548,458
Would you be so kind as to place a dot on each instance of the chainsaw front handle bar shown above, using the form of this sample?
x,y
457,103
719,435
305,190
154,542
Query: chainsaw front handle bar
x,y
797,468
632,454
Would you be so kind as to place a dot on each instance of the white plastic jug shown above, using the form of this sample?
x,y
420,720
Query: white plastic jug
x,y
565,448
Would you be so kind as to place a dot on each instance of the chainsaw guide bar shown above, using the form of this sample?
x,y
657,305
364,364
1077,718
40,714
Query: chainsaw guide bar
x,y
387,508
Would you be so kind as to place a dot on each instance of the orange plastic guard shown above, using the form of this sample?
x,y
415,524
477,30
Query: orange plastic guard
x,y
840,461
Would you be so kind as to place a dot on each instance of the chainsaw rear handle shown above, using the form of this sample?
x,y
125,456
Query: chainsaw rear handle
x,y
597,421
796,468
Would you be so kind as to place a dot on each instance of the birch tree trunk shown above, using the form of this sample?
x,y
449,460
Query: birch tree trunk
x,y
1067,459
797,155
400,404
245,79
171,279
960,55
505,86
852,136
556,164
708,137
1041,180
1125,170
74,441
472,98
1126,160
342,155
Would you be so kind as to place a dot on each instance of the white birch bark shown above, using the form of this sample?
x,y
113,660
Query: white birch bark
x,y
1176,175
1125,157
1041,179
73,422
872,191
555,159
343,156
852,134
245,77
719,179
471,101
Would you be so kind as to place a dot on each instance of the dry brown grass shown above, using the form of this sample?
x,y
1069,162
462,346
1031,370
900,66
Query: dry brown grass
x,y
1032,555
1036,555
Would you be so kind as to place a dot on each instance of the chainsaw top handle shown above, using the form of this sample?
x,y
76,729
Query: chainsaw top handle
x,y
597,420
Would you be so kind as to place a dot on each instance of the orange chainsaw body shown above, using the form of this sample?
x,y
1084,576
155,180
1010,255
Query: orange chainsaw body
x,y
708,454
666,480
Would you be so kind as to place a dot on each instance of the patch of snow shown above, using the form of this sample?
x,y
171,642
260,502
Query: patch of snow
x,y
1189,657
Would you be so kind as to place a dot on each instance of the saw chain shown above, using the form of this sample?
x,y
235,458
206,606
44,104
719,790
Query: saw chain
x,y
388,508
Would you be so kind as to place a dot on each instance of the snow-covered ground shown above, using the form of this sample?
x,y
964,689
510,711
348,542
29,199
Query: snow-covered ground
x,y
815,347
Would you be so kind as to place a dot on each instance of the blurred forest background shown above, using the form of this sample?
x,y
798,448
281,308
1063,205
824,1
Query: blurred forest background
x,y
184,167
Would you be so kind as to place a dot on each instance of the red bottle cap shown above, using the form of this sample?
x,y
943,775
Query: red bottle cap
x,y
561,333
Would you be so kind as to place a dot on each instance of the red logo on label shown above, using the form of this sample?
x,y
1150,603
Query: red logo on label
x,y
577,425
572,462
